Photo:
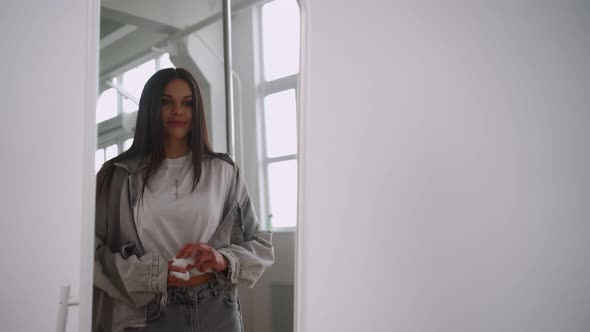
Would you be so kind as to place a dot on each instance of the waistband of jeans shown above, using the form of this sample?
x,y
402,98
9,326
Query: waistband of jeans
x,y
193,295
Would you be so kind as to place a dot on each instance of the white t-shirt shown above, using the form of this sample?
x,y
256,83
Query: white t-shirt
x,y
165,222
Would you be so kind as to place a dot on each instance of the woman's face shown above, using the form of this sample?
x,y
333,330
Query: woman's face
x,y
177,109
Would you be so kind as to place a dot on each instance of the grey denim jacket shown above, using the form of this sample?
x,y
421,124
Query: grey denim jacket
x,y
129,282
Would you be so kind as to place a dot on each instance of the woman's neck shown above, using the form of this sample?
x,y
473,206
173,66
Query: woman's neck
x,y
175,149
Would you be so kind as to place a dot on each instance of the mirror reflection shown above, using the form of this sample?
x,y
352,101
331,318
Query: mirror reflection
x,y
139,38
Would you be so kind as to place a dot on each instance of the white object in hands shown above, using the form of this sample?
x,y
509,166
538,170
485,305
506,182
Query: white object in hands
x,y
184,276
183,263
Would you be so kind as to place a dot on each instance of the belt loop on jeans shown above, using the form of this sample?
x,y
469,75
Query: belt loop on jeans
x,y
214,287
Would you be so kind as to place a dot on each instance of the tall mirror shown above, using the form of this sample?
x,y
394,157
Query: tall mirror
x,y
265,52
139,37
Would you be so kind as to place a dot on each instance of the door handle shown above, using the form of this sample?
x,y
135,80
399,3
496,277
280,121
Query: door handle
x,y
64,304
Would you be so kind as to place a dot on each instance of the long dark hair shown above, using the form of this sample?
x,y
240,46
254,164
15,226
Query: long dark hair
x,y
148,142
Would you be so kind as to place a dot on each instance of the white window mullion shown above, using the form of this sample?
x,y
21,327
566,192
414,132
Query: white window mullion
x,y
263,174
280,158
280,84
119,98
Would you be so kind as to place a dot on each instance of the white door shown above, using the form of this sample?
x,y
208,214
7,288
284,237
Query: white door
x,y
47,88
445,166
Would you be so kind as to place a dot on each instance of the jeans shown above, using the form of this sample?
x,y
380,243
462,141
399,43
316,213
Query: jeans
x,y
211,307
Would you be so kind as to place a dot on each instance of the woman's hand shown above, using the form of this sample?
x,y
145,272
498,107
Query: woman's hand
x,y
206,257
174,281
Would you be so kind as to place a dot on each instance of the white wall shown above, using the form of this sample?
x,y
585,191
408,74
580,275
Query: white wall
x,y
46,143
245,66
451,193
205,48
257,306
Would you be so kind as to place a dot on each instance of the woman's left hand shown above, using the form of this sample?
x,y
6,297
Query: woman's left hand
x,y
206,257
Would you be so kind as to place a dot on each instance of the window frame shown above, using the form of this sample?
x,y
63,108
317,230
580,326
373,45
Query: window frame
x,y
111,131
265,88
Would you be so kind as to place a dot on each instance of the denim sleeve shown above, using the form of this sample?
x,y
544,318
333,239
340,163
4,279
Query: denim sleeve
x,y
133,280
248,260
129,278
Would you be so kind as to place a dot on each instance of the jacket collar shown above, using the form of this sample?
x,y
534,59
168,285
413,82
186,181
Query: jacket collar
x,y
133,165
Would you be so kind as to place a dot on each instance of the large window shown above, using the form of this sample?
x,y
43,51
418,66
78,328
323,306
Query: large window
x,y
122,96
280,38
107,105
280,61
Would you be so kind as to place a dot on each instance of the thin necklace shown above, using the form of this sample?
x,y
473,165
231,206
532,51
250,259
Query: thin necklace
x,y
178,176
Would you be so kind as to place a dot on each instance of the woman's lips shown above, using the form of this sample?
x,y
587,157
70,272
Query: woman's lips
x,y
176,124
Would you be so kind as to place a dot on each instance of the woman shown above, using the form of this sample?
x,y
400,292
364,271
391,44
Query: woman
x,y
170,209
